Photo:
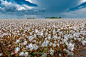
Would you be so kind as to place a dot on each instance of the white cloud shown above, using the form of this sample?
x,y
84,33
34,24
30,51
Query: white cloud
x,y
29,1
27,7
82,1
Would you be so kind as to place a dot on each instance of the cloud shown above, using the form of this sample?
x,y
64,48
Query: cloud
x,y
83,5
76,14
10,8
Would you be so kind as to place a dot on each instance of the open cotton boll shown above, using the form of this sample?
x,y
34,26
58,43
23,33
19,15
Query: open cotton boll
x,y
25,42
51,51
35,46
54,45
50,43
57,44
36,31
83,42
71,46
70,53
49,38
44,55
45,43
79,39
21,53
26,54
1,54
12,53
17,49
30,38
30,46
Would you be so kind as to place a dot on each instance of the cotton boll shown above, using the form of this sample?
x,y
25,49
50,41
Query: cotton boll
x,y
17,49
26,47
1,54
58,44
83,42
31,38
36,30
51,51
54,45
26,54
44,55
71,46
25,42
35,47
44,44
12,53
60,55
55,42
21,54
30,46
70,53
50,43
49,38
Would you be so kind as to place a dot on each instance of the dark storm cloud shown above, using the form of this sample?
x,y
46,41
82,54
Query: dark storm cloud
x,y
83,5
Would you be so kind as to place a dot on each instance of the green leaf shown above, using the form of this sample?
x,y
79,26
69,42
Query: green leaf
x,y
7,53
3,49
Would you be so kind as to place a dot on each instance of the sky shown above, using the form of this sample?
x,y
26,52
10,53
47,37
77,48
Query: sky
x,y
42,8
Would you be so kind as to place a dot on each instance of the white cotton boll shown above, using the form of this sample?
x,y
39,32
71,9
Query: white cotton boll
x,y
26,47
55,37
1,54
39,42
12,53
55,42
31,38
71,46
25,42
51,51
50,43
83,42
49,38
79,39
41,34
44,44
70,53
34,35
21,54
54,45
34,41
17,41
45,38
30,46
26,54
35,47
61,42
58,44
47,41
44,55
74,38
36,31
60,55
17,49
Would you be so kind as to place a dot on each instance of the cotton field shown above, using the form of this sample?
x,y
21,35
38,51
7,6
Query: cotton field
x,y
42,37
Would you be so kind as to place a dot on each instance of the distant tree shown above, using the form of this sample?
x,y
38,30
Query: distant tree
x,y
59,17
